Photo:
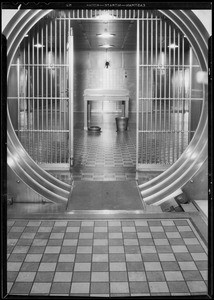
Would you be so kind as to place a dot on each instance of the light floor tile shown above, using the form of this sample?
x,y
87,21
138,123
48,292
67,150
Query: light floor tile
x,y
40,288
197,286
62,277
119,287
80,288
158,287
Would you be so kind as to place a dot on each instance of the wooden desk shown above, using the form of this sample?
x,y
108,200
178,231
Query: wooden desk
x,y
104,95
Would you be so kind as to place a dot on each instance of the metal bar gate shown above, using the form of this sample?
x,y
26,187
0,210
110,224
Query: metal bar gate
x,y
44,89
164,92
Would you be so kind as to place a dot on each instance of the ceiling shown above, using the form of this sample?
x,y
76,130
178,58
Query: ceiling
x,y
86,34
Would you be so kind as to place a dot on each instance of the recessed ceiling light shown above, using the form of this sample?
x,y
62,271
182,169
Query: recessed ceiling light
x,y
105,34
173,46
106,46
39,46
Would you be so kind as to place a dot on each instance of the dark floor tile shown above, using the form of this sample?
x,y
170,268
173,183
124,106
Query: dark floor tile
x,y
50,257
175,241
139,287
60,288
192,275
99,288
68,249
36,249
183,257
202,265
115,242
178,287
100,249
158,235
17,257
20,288
85,242
29,266
118,276
86,257
170,266
44,276
55,242
81,276
156,276
195,248
163,248
187,234
11,276
170,228
64,266
135,266
146,242
99,266
132,249
142,229
117,257
150,257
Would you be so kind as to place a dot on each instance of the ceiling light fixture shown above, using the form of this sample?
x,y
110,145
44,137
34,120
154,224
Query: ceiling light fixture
x,y
105,34
173,46
39,45
105,16
106,46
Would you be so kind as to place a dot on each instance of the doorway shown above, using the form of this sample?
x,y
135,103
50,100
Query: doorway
x,y
162,92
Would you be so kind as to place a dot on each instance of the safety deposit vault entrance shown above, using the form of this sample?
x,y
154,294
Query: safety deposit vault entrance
x,y
165,97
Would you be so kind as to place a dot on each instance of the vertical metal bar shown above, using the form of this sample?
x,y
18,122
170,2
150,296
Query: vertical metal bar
x,y
65,112
51,89
60,78
160,100
33,100
42,78
147,84
18,91
71,136
170,101
47,94
151,70
164,117
137,93
183,99
174,76
156,86
141,89
37,93
29,91
190,93
24,96
55,71
180,87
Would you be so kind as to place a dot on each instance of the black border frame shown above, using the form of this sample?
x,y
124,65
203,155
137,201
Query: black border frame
x,y
3,147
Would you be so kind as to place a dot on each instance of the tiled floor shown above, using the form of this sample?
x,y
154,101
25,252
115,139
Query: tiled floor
x,y
116,257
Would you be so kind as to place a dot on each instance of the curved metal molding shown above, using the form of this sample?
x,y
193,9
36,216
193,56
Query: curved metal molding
x,y
193,157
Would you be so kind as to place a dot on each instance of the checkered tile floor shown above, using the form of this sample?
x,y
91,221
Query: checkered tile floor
x,y
106,257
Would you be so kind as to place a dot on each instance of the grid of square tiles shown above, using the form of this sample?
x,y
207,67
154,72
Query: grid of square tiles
x,y
106,149
105,258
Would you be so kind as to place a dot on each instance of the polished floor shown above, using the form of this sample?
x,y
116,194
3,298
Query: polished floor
x,y
105,156
129,257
